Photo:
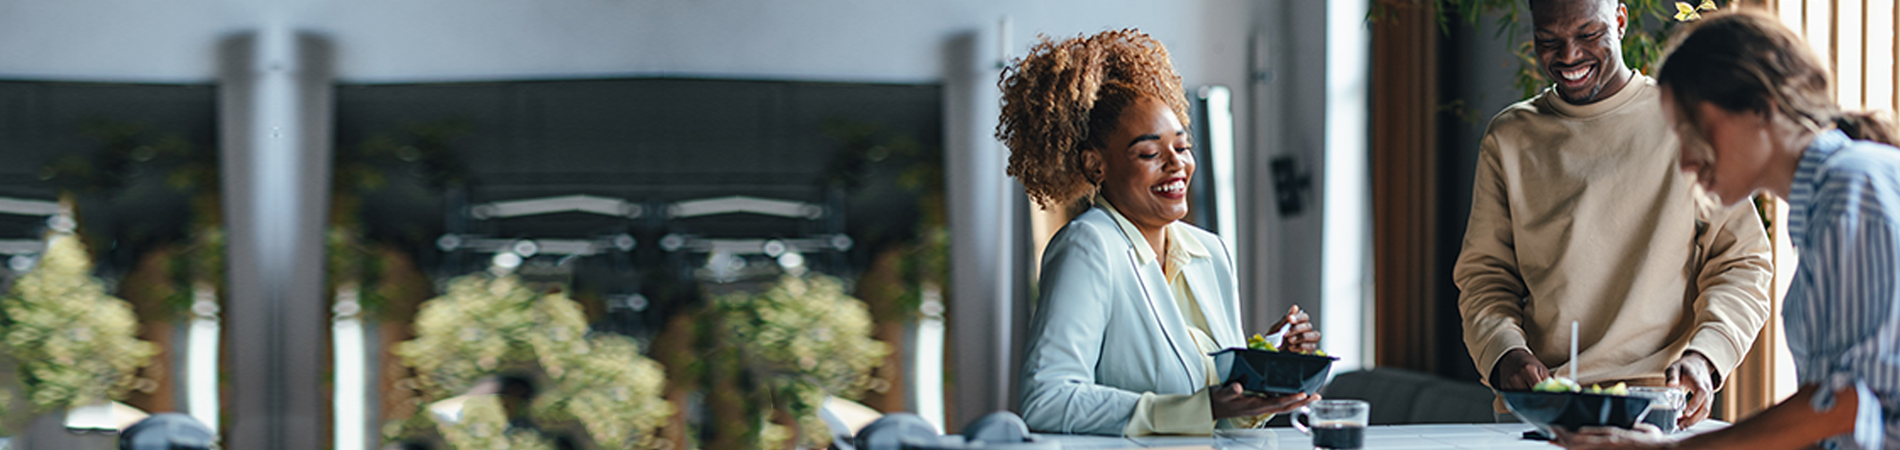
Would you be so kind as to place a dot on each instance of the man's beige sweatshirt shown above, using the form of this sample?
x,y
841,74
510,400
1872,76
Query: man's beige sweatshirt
x,y
1578,212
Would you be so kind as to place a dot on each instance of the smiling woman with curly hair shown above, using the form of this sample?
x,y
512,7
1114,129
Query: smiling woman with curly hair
x,y
1132,299
1053,98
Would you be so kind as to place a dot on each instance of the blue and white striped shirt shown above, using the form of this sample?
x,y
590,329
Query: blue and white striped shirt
x,y
1843,326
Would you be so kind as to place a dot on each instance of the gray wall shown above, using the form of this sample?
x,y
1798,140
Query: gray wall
x,y
1291,104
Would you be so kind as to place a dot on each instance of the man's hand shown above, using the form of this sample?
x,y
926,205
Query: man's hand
x,y
1518,370
1231,401
1300,336
1693,373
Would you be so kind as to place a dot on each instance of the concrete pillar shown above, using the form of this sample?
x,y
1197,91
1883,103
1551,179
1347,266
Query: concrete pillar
x,y
275,117
988,304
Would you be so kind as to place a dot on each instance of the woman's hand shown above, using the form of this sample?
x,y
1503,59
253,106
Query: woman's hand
x,y
1231,401
1645,436
1300,336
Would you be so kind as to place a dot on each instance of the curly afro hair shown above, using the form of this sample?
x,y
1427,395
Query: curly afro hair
x,y
1066,96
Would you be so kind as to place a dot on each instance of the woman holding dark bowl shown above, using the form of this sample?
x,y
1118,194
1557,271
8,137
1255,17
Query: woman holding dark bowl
x,y
1752,106
1132,300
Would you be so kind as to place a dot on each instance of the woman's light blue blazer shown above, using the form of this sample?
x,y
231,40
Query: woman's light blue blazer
x,y
1106,327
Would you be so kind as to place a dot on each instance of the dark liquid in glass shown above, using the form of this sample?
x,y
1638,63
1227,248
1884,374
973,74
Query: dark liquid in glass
x,y
1663,418
1339,436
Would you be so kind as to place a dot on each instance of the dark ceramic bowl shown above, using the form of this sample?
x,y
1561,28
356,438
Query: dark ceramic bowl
x,y
1273,372
1574,410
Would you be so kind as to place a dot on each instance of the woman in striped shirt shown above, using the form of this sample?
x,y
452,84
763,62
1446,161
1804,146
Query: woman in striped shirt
x,y
1754,112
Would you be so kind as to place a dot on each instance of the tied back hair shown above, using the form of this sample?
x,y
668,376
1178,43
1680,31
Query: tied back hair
x,y
1747,61
1067,96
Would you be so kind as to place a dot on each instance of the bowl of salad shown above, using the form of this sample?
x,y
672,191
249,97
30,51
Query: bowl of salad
x,y
1262,368
1562,402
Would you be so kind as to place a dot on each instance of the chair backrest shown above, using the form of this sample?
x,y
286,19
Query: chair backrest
x,y
890,432
167,431
1400,396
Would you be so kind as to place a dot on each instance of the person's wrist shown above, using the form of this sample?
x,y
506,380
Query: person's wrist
x,y
1708,367
1697,356
1509,358
1497,369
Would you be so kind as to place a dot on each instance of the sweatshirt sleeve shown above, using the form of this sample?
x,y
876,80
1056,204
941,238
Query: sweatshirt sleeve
x,y
1732,283
1490,287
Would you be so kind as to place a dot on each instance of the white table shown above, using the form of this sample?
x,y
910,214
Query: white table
x,y
1475,436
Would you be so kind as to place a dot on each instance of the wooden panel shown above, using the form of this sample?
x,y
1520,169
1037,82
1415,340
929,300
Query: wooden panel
x,y
1404,183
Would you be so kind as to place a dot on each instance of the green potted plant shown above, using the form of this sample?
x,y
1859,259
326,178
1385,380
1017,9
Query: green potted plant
x,y
586,386
798,342
75,345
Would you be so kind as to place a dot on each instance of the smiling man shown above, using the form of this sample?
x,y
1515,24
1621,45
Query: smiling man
x,y
1579,214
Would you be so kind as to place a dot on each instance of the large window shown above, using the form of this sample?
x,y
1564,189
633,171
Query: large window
x,y
1857,37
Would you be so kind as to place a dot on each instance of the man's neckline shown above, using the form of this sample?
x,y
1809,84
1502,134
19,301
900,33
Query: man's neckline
x,y
1637,84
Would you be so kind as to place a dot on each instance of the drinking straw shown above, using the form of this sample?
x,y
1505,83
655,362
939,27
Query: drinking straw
x,y
1573,351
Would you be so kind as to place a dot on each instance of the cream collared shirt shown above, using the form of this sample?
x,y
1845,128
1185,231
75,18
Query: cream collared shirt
x,y
1180,249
